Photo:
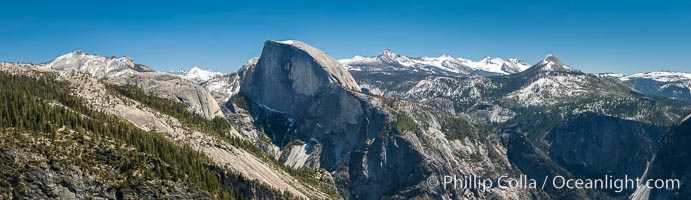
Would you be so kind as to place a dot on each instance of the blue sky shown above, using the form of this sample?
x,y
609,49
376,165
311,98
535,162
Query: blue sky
x,y
593,36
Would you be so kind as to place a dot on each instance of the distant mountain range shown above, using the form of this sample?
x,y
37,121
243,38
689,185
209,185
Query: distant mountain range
x,y
389,61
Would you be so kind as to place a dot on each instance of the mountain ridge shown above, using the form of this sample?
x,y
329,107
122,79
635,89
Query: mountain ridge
x,y
442,64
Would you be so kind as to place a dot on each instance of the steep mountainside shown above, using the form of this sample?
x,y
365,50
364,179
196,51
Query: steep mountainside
x,y
672,161
374,147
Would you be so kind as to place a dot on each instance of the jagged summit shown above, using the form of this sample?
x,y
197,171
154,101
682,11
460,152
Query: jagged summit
x,y
390,57
514,65
552,58
96,65
550,64
389,53
77,52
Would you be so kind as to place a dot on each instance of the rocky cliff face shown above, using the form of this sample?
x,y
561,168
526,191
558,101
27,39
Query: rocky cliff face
x,y
172,87
301,93
672,161
375,148
593,145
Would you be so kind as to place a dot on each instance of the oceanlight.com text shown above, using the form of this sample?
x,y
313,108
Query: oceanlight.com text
x,y
608,182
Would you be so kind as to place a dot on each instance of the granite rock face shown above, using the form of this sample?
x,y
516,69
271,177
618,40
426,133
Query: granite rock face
x,y
311,108
300,94
312,98
199,100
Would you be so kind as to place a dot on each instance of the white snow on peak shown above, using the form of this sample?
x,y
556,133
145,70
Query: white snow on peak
x,y
445,62
489,64
660,76
197,74
388,52
96,65
290,42
516,64
667,78
552,63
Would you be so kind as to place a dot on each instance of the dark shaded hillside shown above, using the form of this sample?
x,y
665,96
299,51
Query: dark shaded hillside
x,y
594,145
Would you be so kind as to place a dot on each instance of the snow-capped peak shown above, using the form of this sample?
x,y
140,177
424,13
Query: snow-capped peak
x,y
197,74
552,63
491,61
389,53
389,56
443,57
446,57
514,65
444,64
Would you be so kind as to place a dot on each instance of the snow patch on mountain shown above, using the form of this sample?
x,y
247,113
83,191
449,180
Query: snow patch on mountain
x,y
658,83
621,77
663,76
445,63
552,63
548,90
221,86
196,74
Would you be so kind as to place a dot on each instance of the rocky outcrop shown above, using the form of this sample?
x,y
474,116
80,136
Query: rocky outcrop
x,y
123,70
172,87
